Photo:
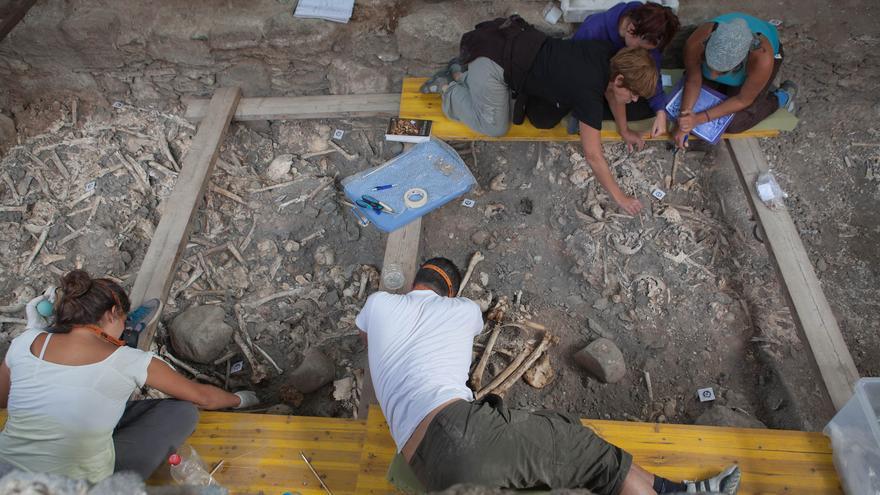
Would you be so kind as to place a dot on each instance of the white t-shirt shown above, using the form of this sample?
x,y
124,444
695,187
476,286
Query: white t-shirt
x,y
420,353
61,418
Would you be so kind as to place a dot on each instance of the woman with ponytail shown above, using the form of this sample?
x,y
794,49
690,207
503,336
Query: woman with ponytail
x,y
66,388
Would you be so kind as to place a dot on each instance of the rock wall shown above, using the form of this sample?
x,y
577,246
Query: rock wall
x,y
155,52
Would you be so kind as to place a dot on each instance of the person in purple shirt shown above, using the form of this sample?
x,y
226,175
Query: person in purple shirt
x,y
635,24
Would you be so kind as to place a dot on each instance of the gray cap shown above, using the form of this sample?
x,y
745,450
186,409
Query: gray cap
x,y
728,45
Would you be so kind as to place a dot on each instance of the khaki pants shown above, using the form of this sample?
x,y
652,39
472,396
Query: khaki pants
x,y
487,444
481,99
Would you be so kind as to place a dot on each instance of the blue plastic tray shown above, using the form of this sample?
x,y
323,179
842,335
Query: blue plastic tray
x,y
433,166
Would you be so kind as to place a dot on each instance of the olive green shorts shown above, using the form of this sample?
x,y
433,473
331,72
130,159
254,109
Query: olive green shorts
x,y
485,443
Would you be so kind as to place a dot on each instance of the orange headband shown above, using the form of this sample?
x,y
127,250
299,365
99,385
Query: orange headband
x,y
442,274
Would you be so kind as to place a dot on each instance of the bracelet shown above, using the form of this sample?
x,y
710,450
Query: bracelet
x,y
708,119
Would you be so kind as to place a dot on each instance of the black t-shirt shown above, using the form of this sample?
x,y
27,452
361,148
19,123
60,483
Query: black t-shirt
x,y
573,74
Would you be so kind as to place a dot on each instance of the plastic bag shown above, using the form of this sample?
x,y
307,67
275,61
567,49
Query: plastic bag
x,y
769,191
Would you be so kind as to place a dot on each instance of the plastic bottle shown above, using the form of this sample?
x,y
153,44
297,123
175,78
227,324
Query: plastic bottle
x,y
392,276
187,468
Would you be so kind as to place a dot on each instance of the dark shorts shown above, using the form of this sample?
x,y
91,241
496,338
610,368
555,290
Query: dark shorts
x,y
485,443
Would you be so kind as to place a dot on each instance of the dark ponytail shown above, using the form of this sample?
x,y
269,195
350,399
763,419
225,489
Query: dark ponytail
x,y
84,300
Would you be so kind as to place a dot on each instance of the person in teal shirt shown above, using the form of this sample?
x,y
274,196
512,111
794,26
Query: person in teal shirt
x,y
739,55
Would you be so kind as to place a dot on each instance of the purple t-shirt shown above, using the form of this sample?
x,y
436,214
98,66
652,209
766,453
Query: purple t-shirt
x,y
603,26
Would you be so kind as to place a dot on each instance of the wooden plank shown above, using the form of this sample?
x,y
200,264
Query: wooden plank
x,y
13,14
160,263
401,249
304,107
772,461
416,105
261,452
810,310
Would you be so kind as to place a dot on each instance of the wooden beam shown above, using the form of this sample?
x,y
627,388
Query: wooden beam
x,y
810,309
160,263
13,14
304,107
401,249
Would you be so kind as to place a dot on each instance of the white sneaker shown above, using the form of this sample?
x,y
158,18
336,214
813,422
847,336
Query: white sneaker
x,y
726,482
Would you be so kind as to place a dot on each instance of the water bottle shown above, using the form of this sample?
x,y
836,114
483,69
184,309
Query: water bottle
x,y
392,276
187,468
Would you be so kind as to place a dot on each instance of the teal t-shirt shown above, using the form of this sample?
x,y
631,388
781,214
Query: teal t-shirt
x,y
757,26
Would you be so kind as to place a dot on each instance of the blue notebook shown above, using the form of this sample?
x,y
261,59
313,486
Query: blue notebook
x,y
710,131
432,166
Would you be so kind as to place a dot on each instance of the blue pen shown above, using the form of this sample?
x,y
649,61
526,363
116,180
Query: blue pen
x,y
383,187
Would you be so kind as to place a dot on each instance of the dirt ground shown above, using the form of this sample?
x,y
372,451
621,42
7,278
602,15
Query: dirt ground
x,y
686,291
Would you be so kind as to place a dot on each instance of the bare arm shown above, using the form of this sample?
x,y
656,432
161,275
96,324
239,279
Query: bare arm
x,y
592,143
759,70
161,377
618,110
693,57
363,337
5,384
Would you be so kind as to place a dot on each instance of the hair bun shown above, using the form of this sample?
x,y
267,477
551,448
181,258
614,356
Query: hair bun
x,y
76,283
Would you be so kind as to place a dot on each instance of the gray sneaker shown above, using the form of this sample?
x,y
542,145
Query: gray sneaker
x,y
726,482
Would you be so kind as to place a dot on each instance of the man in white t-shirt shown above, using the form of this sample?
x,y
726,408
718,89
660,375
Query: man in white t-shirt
x,y
419,350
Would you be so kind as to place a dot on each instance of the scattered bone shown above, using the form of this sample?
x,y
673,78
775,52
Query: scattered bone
x,y
477,375
306,197
227,194
40,242
198,375
348,156
276,186
243,340
269,358
498,183
280,167
235,253
541,374
514,376
272,297
476,258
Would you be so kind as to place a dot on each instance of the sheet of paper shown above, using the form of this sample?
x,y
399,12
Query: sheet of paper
x,y
667,80
331,10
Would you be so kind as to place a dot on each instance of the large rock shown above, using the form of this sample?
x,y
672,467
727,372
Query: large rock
x,y
93,31
349,77
603,360
432,32
199,334
719,415
315,371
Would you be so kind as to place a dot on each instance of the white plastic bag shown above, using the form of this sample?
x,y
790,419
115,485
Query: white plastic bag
x,y
769,191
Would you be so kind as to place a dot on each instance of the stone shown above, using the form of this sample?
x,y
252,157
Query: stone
x,y
350,77
315,371
718,415
94,30
602,359
199,334
432,32
669,408
252,76
280,409
302,37
279,168
343,388
480,237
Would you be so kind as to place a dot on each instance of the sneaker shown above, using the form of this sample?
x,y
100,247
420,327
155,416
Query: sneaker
x,y
726,482
144,315
787,92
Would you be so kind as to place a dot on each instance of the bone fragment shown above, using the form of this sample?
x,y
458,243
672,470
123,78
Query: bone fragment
x,y
476,258
258,371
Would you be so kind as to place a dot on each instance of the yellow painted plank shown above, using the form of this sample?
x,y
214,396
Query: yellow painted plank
x,y
416,105
773,461
261,452
379,449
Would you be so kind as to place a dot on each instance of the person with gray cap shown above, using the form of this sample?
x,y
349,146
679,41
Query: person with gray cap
x,y
739,55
